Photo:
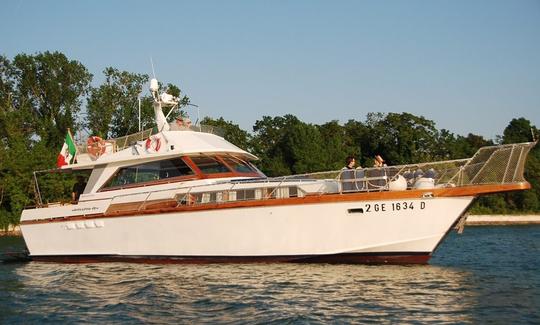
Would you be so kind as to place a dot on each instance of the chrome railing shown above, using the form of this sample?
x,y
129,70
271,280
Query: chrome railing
x,y
121,143
501,164
490,165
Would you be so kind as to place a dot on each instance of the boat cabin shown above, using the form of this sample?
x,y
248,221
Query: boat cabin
x,y
180,169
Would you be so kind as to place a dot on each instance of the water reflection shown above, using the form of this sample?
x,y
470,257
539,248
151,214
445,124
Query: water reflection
x,y
486,275
227,293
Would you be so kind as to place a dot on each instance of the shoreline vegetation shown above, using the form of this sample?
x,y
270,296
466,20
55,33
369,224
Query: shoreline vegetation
x,y
472,220
44,95
502,220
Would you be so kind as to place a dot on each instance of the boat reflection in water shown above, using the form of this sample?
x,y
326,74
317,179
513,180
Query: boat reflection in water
x,y
232,292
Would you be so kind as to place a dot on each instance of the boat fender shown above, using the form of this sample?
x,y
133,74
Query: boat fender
x,y
153,144
398,184
95,146
424,183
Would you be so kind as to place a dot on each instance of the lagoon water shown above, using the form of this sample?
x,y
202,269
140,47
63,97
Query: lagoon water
x,y
485,275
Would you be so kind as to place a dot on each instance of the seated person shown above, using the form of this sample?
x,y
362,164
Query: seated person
x,y
183,122
348,175
378,162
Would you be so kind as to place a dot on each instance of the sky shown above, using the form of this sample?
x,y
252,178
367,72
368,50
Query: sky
x,y
469,65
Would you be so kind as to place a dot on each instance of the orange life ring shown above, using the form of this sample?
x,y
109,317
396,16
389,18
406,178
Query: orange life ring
x,y
153,144
95,146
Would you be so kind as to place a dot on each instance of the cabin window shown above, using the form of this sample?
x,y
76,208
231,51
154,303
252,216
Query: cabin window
x,y
238,165
209,165
150,171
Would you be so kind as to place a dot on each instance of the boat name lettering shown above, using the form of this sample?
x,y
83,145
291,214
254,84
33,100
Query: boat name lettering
x,y
395,206
85,209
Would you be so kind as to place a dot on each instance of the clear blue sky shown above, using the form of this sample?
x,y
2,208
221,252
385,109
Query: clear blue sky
x,y
471,66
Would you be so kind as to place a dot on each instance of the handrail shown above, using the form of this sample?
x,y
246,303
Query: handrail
x,y
121,143
485,167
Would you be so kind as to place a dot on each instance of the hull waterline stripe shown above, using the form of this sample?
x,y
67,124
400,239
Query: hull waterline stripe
x,y
345,258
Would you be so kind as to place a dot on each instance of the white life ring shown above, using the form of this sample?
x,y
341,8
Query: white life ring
x,y
153,144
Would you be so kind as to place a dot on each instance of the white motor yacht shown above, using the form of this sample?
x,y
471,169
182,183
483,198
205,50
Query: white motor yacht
x,y
183,194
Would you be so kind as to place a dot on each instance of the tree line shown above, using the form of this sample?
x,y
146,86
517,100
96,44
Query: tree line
x,y
286,145
44,94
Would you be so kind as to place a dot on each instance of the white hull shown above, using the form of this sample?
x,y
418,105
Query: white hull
x,y
288,230
184,194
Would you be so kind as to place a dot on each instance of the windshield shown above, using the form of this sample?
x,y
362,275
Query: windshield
x,y
151,171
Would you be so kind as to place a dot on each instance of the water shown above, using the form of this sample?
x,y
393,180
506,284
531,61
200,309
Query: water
x,y
485,275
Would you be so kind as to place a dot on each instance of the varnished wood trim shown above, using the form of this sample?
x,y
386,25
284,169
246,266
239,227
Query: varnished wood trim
x,y
137,206
193,166
474,190
170,206
197,175
231,174
177,179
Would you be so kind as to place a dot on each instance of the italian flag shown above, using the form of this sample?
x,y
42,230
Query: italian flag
x,y
67,154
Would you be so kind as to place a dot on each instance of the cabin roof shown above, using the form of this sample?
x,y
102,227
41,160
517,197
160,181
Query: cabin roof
x,y
172,143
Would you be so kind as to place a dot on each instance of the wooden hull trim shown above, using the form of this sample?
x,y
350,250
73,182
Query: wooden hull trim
x,y
170,206
345,258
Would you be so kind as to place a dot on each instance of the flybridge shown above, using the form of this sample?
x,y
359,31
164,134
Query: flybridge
x,y
111,146
157,140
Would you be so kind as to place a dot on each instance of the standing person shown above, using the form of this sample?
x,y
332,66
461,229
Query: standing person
x,y
78,188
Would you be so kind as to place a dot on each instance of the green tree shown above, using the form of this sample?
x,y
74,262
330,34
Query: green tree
x,y
401,138
287,145
268,144
450,146
521,130
16,162
304,149
113,106
40,98
518,130
357,137
337,145
232,132
52,87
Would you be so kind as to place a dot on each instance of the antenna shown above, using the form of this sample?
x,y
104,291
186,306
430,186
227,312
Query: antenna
x,y
198,114
152,64
139,98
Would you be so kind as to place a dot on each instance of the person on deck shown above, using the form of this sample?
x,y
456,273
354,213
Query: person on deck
x,y
78,188
348,175
350,162
378,161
